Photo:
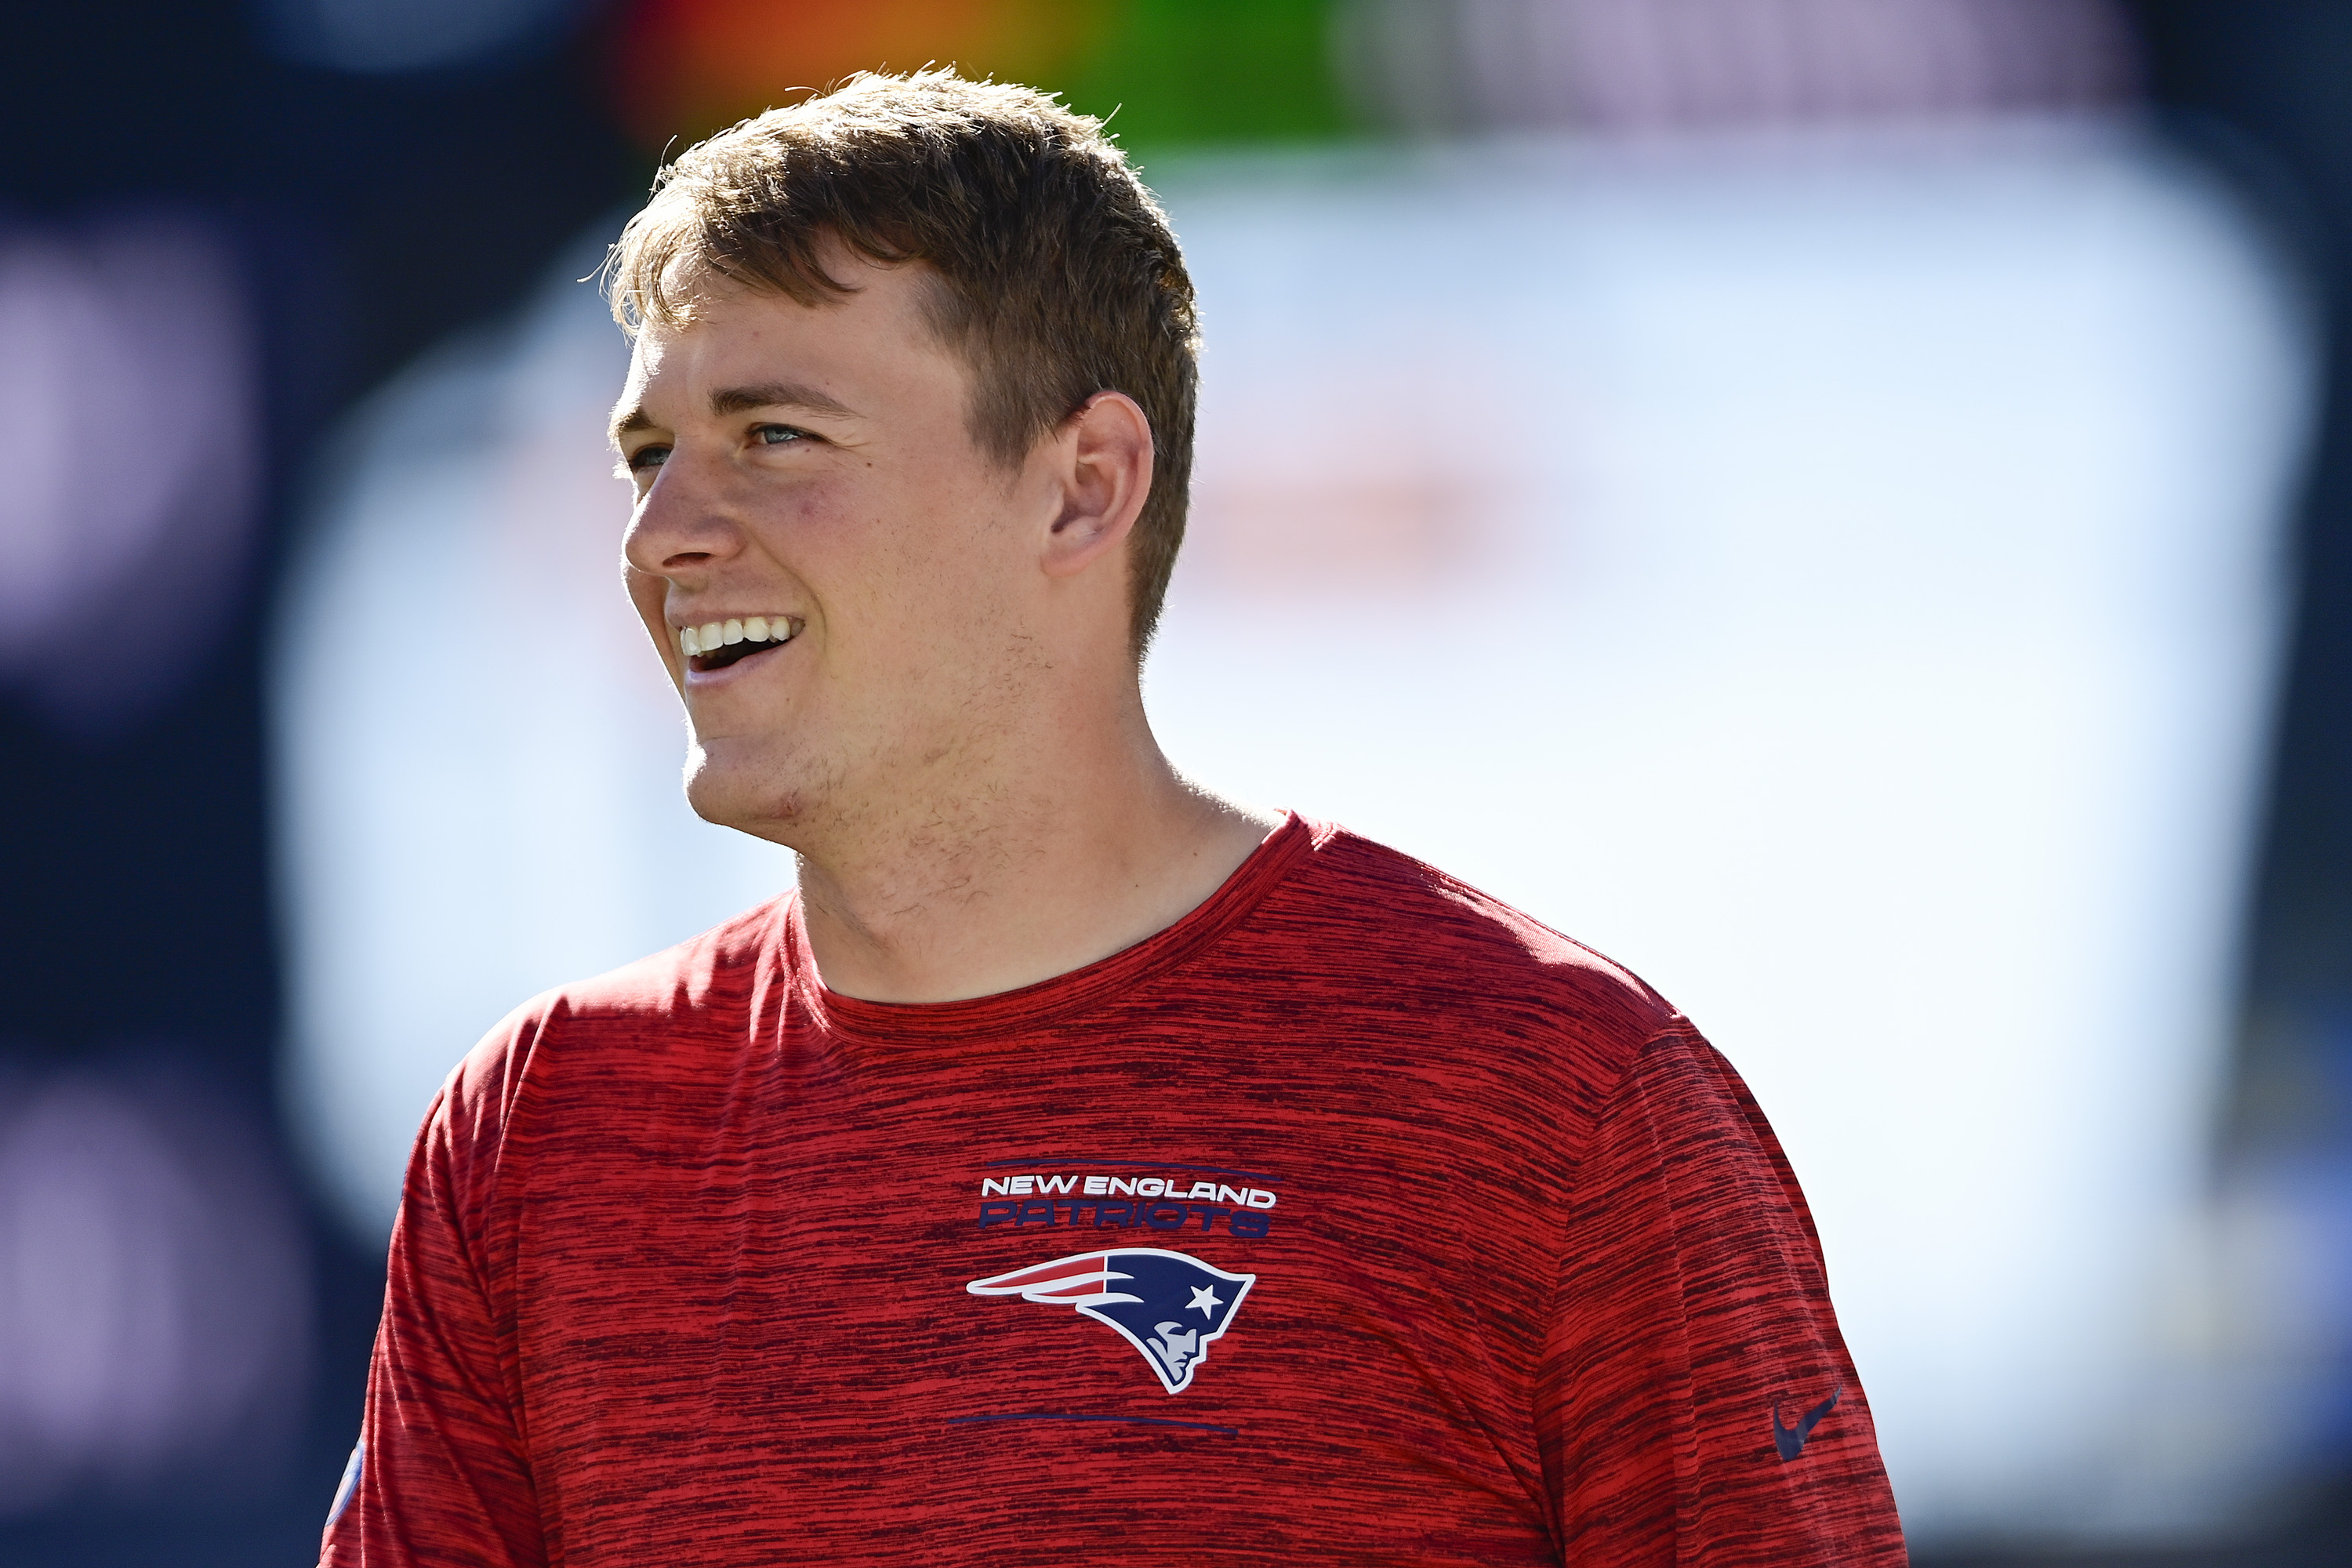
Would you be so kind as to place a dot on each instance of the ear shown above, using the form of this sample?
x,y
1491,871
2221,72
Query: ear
x,y
1105,472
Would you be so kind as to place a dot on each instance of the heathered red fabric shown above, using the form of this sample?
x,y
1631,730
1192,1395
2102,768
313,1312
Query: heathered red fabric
x,y
1492,1259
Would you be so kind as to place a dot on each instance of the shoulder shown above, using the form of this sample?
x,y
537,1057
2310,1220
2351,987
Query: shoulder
x,y
1396,920
1424,991
614,1030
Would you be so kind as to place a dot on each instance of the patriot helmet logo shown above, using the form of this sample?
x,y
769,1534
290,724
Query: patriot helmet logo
x,y
1166,1305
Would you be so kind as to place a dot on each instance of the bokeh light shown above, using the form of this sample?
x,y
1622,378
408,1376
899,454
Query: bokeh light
x,y
127,383
154,1298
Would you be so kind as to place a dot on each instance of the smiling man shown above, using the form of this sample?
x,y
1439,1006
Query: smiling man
x,y
1075,1165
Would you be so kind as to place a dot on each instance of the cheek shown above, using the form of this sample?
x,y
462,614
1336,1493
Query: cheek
x,y
889,549
969,539
825,520
907,569
645,592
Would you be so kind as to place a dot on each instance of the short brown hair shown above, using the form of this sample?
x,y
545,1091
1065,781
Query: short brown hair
x,y
1059,275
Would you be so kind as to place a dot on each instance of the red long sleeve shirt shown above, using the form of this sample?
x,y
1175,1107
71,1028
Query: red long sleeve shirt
x,y
1355,1218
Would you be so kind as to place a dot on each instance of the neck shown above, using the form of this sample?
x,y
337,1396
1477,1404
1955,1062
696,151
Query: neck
x,y
1087,844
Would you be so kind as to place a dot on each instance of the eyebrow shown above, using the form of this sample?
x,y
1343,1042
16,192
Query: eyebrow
x,y
729,400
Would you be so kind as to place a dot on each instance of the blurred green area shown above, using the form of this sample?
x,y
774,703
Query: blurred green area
x,y
1181,73
1165,73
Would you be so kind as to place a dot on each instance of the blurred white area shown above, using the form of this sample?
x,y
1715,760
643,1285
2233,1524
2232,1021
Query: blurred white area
x,y
154,1295
1844,587
1834,577
375,38
127,385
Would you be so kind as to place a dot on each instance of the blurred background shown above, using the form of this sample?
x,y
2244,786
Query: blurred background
x,y
1844,505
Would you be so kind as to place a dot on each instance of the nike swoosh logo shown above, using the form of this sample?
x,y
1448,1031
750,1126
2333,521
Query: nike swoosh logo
x,y
1791,1440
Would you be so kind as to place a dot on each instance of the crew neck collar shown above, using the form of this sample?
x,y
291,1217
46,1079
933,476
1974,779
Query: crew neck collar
x,y
1075,991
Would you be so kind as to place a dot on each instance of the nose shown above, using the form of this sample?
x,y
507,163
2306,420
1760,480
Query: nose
x,y
681,524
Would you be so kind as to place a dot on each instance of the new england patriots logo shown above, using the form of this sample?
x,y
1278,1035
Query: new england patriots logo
x,y
1166,1305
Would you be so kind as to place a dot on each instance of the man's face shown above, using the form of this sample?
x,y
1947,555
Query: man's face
x,y
812,467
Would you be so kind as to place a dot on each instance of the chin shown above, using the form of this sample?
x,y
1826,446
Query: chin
x,y
765,798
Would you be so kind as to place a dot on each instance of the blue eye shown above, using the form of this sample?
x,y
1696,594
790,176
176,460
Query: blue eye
x,y
777,434
649,457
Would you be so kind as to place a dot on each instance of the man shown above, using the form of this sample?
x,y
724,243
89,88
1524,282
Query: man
x,y
1078,1167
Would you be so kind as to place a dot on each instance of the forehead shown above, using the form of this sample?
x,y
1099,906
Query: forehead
x,y
873,344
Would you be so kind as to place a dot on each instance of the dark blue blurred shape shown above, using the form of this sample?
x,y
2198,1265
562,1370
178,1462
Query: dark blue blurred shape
x,y
376,38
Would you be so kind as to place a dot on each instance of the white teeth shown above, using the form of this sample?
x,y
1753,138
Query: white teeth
x,y
712,635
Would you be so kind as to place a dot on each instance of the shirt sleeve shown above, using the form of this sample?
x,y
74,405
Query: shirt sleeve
x,y
440,1476
1698,1405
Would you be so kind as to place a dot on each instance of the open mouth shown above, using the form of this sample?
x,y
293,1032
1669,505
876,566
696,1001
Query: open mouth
x,y
715,645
